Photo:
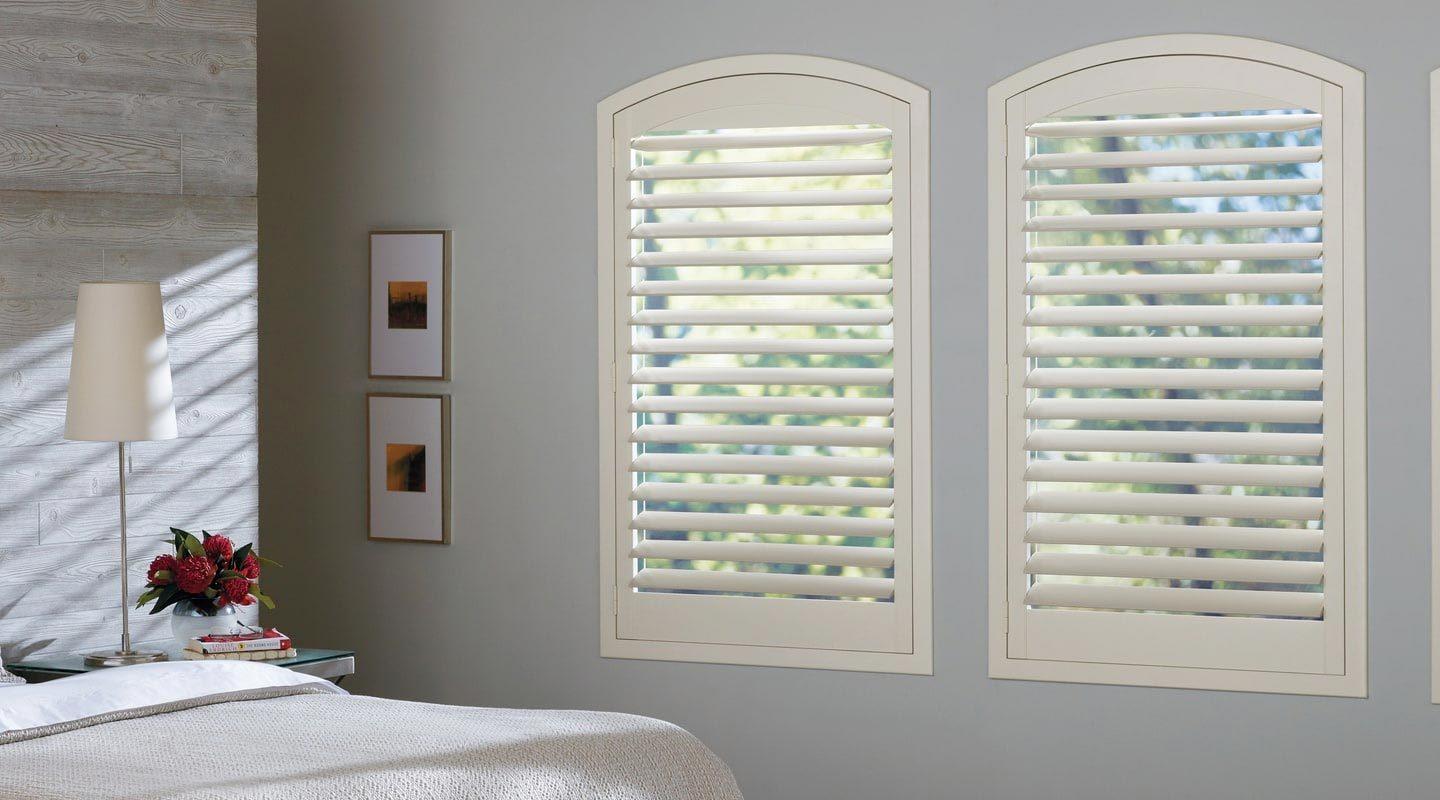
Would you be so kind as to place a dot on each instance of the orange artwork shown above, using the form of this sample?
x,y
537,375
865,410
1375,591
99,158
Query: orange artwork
x,y
405,467
409,303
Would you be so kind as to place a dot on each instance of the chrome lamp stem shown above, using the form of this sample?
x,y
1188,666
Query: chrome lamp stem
x,y
124,567
125,655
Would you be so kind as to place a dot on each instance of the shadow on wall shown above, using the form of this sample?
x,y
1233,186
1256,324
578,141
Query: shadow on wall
x,y
58,499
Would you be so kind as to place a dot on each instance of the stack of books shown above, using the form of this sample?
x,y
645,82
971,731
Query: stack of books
x,y
258,646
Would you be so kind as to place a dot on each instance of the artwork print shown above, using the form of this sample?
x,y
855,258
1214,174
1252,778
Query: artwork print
x,y
410,304
408,467
406,303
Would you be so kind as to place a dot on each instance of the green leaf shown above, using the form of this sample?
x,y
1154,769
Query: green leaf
x,y
240,554
262,597
150,594
168,596
227,574
264,560
193,546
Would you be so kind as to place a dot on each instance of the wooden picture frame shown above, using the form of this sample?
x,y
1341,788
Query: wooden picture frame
x,y
411,425
401,348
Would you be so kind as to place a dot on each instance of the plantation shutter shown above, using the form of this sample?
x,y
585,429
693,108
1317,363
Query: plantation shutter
x,y
765,346
1183,374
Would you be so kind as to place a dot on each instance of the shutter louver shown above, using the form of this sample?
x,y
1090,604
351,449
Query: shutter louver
x,y
765,268
787,300
1176,470
1167,302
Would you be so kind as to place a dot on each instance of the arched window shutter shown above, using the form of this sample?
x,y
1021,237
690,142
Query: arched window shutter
x,y
764,361
1178,466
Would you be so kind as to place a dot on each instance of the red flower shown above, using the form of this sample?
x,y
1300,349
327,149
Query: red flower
x,y
235,590
219,548
251,567
166,564
194,573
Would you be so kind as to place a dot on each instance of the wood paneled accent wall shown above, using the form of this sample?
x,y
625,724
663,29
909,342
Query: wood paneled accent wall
x,y
127,151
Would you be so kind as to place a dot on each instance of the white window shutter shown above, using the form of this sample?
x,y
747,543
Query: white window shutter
x,y
1178,344
763,287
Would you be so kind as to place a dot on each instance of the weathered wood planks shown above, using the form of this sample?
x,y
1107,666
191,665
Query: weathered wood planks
x,y
107,220
124,111
55,270
35,581
211,16
88,469
187,271
210,378
41,51
19,524
89,629
64,160
127,151
47,270
219,165
43,422
55,159
70,631
36,332
93,518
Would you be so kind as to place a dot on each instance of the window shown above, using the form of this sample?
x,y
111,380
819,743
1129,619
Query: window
x,y
764,366
1178,418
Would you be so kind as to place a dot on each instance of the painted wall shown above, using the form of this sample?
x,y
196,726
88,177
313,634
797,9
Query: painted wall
x,y
127,151
480,116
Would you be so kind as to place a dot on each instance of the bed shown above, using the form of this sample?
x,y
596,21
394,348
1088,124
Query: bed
x,y
238,730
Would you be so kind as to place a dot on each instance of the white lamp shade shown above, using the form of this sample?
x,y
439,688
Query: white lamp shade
x,y
120,387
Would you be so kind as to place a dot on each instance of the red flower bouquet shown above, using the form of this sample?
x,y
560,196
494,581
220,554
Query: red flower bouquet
x,y
209,571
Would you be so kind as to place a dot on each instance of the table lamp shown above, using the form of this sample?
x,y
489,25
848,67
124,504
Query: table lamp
x,y
120,392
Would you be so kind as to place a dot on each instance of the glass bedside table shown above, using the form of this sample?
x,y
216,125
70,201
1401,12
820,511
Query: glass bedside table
x,y
332,665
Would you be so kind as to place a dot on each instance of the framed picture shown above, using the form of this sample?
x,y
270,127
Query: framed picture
x,y
410,304
408,467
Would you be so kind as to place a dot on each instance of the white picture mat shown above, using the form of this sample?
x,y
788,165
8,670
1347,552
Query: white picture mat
x,y
407,257
407,515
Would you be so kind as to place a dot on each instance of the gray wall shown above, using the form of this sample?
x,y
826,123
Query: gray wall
x,y
127,151
480,116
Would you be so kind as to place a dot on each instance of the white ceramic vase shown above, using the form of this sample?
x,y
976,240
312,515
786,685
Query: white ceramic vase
x,y
189,619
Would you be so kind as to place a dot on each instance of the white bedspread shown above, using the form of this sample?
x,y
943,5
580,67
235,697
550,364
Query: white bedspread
x,y
286,736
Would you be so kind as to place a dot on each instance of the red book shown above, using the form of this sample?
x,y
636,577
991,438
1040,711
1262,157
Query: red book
x,y
269,639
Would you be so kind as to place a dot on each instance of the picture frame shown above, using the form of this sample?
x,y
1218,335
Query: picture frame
x,y
407,436
409,326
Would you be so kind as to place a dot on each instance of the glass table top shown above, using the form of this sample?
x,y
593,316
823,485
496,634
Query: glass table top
x,y
74,663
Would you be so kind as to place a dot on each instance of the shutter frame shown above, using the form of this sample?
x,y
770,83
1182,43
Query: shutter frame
x,y
1434,387
754,638
1343,655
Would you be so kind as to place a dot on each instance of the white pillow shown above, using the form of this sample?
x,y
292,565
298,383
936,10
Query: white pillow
x,y
8,679
139,686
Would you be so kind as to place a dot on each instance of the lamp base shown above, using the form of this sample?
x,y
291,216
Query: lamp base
x,y
121,658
